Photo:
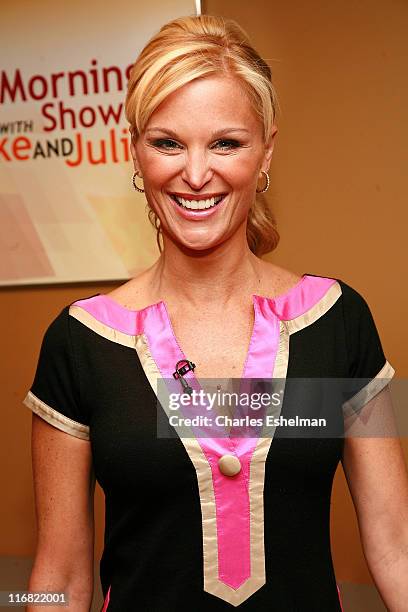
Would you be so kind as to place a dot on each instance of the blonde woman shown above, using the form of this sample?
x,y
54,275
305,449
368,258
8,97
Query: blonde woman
x,y
206,522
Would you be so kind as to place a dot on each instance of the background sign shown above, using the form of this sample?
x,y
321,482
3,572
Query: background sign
x,y
68,210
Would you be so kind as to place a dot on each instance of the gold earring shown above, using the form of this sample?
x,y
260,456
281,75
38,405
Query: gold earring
x,y
267,183
135,174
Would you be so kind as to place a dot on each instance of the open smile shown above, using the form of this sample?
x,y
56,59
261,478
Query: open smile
x,y
193,204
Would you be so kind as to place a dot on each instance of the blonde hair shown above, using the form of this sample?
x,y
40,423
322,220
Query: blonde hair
x,y
196,46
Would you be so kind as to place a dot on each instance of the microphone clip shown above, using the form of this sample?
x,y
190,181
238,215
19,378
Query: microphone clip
x,y
186,366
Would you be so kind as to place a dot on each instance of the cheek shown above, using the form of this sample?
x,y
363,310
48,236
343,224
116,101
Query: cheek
x,y
241,178
157,167
159,171
239,171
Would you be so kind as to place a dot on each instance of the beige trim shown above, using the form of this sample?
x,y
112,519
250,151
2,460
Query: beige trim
x,y
147,362
100,328
370,390
279,373
55,418
318,310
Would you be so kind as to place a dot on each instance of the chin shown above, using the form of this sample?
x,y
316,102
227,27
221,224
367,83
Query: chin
x,y
197,245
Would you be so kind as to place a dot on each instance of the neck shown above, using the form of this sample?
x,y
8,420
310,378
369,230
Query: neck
x,y
218,275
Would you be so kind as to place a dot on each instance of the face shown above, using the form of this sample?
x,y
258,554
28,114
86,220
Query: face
x,y
203,143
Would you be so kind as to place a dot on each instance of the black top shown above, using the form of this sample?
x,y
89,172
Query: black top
x,y
180,533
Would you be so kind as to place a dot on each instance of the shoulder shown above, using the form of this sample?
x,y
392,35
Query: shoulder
x,y
56,339
366,356
354,301
57,330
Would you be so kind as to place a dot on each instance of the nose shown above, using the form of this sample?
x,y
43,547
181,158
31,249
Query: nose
x,y
196,171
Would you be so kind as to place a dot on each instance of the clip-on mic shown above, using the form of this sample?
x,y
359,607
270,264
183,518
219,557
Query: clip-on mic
x,y
178,374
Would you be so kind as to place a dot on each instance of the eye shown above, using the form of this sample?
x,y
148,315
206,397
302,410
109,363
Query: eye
x,y
229,144
162,142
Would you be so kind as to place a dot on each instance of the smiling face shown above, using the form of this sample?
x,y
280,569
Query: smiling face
x,y
204,141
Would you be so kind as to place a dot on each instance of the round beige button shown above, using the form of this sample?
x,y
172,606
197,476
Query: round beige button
x,y
229,465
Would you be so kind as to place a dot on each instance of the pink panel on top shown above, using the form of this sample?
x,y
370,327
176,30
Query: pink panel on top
x,y
300,298
112,314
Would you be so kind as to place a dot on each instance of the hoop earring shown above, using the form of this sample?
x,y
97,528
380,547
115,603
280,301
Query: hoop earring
x,y
135,174
267,183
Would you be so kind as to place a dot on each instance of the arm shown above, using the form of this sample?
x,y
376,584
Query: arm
x,y
377,478
64,485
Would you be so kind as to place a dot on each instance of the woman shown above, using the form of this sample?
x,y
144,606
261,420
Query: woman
x,y
206,522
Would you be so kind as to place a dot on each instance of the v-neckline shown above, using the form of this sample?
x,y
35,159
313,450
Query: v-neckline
x,y
150,331
256,300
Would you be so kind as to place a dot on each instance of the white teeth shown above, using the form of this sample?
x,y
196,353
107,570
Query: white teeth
x,y
198,204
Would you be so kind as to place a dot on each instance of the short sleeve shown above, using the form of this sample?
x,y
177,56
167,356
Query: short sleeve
x,y
54,394
368,369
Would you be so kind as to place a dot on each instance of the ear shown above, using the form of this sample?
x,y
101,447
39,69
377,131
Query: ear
x,y
266,162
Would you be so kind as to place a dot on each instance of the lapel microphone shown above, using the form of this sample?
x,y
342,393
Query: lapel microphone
x,y
186,366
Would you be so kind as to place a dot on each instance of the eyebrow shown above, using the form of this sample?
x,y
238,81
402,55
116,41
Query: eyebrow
x,y
213,134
